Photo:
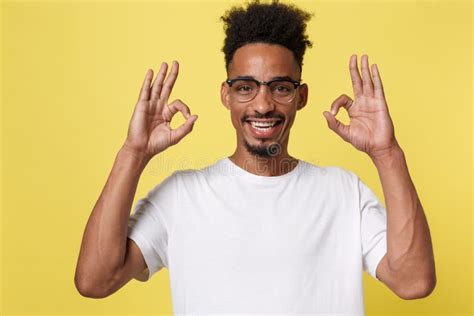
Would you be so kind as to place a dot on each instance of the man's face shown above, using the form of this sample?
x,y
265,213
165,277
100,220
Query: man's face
x,y
263,62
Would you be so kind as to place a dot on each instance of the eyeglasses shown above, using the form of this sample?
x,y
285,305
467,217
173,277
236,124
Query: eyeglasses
x,y
246,89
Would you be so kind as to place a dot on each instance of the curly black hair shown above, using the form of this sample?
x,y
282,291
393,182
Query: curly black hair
x,y
272,23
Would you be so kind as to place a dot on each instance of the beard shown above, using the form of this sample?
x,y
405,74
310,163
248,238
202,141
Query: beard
x,y
263,151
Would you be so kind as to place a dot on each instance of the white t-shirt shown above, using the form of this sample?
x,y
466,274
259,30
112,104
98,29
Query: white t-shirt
x,y
238,243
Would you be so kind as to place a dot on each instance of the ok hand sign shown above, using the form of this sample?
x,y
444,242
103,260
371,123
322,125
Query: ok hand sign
x,y
370,129
149,131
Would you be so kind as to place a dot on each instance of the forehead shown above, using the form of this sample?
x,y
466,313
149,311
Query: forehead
x,y
263,62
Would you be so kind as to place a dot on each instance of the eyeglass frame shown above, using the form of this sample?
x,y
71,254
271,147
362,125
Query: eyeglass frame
x,y
296,84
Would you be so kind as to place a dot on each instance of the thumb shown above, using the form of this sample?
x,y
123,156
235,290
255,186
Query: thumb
x,y
337,126
184,129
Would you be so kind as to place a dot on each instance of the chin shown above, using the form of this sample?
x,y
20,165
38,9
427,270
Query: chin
x,y
266,150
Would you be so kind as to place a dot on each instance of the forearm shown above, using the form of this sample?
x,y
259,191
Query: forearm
x,y
104,242
409,248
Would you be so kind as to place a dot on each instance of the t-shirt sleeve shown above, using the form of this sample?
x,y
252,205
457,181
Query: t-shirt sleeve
x,y
373,229
149,224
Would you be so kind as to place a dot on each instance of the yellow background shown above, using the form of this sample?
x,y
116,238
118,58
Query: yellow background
x,y
71,73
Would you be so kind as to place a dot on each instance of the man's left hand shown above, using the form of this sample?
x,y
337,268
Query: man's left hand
x,y
370,128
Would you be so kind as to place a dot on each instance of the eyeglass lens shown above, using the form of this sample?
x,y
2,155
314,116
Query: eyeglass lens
x,y
246,90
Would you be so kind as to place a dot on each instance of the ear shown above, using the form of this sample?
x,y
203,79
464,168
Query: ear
x,y
302,96
225,95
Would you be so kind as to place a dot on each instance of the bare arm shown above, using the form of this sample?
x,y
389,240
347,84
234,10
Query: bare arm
x,y
107,258
408,267
104,241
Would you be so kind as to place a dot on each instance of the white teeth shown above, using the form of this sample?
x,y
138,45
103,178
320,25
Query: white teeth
x,y
265,125
262,129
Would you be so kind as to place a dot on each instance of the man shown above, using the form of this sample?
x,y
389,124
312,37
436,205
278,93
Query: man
x,y
261,231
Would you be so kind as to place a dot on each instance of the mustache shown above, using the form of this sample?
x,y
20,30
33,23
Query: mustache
x,y
262,116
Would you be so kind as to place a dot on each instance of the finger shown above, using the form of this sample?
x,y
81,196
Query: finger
x,y
378,86
355,76
169,82
344,101
337,126
184,129
178,105
145,90
368,85
158,84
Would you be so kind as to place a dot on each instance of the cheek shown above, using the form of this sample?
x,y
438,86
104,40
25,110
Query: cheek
x,y
290,118
235,117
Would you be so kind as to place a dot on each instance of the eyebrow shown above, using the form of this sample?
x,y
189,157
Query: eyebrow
x,y
273,78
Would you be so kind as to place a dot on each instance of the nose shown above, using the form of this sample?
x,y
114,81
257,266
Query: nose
x,y
263,101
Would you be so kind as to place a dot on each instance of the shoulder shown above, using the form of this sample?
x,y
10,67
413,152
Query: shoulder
x,y
196,175
330,173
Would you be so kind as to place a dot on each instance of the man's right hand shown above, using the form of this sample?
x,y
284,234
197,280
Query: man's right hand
x,y
150,132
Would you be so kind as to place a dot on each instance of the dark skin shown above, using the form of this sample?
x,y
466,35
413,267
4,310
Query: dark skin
x,y
263,62
408,267
108,259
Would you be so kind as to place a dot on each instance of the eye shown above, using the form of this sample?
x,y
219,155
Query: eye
x,y
244,88
282,88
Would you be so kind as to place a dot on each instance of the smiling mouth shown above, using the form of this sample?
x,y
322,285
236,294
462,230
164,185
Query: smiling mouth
x,y
264,128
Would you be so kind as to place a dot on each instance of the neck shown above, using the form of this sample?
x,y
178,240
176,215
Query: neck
x,y
264,166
